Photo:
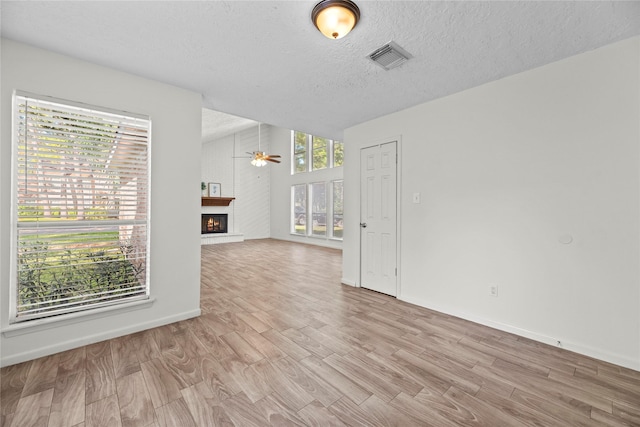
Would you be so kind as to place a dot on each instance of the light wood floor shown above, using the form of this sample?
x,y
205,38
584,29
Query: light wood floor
x,y
281,342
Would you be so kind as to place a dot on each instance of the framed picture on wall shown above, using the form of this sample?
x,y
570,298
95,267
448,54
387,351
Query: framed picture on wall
x,y
215,190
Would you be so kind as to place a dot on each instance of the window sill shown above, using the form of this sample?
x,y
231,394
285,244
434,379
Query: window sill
x,y
335,239
38,325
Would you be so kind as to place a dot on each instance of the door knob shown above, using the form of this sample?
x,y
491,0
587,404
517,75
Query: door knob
x,y
363,224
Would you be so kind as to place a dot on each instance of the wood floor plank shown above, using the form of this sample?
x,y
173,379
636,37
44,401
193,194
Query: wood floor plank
x,y
316,415
431,409
221,382
205,407
104,413
331,342
123,354
365,378
175,413
33,409
289,392
308,343
277,412
100,378
242,411
336,379
352,414
97,350
434,373
212,342
136,407
145,346
161,383
263,345
485,413
249,381
386,415
550,408
245,351
42,375
311,382
72,361
68,404
12,381
255,323
289,347
572,398
384,371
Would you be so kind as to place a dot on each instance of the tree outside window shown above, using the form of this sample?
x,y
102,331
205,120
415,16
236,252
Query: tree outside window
x,y
320,153
299,213
300,152
338,153
338,209
319,208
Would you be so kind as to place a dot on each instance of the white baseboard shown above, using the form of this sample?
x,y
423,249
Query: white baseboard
x,y
348,282
536,336
91,339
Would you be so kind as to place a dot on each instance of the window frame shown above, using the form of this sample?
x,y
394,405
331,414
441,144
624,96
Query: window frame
x,y
98,115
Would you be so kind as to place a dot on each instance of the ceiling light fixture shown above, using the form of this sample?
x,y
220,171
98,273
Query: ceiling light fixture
x,y
260,158
335,18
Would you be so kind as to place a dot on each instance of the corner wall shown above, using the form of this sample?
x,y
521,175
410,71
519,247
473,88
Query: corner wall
x,y
530,183
175,196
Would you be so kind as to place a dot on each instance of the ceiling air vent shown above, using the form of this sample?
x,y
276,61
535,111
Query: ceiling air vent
x,y
390,56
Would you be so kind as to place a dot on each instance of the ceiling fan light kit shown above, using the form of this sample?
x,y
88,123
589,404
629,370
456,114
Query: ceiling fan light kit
x,y
260,158
335,18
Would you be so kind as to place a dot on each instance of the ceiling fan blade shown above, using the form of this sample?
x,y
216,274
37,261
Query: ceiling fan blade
x,y
272,160
273,155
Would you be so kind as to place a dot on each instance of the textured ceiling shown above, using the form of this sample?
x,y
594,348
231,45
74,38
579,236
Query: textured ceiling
x,y
264,60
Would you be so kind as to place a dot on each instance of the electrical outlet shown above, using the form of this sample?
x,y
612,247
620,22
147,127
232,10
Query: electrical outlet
x,y
493,290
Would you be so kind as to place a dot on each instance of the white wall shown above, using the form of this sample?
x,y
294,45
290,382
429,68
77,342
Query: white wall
x,y
281,182
225,161
506,172
175,196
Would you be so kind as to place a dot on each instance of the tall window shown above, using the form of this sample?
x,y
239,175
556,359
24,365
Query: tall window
x,y
299,152
338,209
316,196
299,219
338,153
319,208
81,182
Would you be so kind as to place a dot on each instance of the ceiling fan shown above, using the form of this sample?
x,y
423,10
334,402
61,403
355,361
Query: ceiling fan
x,y
260,158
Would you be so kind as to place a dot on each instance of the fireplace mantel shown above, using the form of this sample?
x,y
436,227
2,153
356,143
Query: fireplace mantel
x,y
217,201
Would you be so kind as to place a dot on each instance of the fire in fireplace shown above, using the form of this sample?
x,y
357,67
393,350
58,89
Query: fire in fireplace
x,y
214,223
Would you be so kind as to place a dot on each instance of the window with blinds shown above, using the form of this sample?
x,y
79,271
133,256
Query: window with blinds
x,y
81,207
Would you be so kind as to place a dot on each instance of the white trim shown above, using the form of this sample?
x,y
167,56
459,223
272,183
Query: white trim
x,y
86,340
599,354
349,282
45,323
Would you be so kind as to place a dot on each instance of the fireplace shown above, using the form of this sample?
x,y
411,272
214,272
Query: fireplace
x,y
214,223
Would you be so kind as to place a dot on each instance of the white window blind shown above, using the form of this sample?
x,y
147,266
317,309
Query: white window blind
x,y
81,207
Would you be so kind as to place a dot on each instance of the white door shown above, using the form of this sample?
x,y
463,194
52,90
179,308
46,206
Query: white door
x,y
378,218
